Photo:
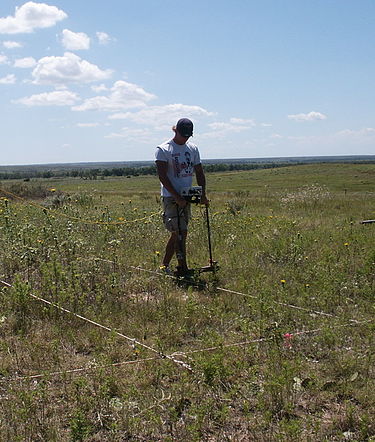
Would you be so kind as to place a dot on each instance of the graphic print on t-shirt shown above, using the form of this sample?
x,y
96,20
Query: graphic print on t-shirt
x,y
182,165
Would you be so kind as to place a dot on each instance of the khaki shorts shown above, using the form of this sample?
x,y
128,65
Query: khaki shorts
x,y
170,217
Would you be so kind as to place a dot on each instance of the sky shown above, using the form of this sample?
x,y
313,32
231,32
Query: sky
x,y
96,81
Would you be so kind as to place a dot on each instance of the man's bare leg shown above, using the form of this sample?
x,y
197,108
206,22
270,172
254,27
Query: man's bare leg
x,y
170,249
181,257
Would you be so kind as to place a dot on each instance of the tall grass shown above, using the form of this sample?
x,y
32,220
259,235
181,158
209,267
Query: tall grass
x,y
284,238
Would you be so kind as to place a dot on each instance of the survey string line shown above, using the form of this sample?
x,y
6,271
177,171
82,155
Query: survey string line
x,y
292,306
247,295
104,327
78,370
260,340
181,354
284,304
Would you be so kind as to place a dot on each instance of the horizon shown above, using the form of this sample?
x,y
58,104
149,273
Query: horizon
x,y
204,160
285,79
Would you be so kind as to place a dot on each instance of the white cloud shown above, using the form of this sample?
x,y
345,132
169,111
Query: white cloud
x,y
235,125
55,98
9,79
361,133
123,95
31,16
242,122
143,135
99,88
3,59
87,124
67,69
311,116
75,41
104,38
162,117
27,62
343,139
12,44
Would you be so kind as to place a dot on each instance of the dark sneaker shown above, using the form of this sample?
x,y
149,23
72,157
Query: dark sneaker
x,y
181,272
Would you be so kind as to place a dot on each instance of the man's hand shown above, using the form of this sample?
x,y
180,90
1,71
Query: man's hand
x,y
204,200
181,202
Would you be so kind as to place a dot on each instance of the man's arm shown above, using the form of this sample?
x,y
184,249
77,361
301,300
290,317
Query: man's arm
x,y
201,181
162,169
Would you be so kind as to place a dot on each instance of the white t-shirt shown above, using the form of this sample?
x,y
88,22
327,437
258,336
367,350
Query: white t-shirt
x,y
181,159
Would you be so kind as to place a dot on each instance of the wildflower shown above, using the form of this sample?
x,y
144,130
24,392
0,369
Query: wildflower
x,y
346,244
52,189
157,253
120,218
307,285
166,270
288,340
282,281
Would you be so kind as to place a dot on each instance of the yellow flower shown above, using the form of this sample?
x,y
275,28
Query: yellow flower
x,y
282,281
157,253
52,189
346,244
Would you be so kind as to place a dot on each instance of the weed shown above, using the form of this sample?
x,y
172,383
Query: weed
x,y
283,238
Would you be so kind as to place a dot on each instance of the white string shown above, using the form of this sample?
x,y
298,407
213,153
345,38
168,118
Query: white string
x,y
132,340
185,353
172,356
238,293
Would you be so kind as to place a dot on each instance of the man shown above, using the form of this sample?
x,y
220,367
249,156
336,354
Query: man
x,y
176,161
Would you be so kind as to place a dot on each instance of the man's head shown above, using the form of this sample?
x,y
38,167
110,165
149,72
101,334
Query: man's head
x,y
184,127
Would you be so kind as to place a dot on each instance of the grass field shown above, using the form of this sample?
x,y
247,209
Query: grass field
x,y
277,346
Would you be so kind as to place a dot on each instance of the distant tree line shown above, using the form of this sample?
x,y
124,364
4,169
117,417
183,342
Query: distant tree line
x,y
101,173
93,174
